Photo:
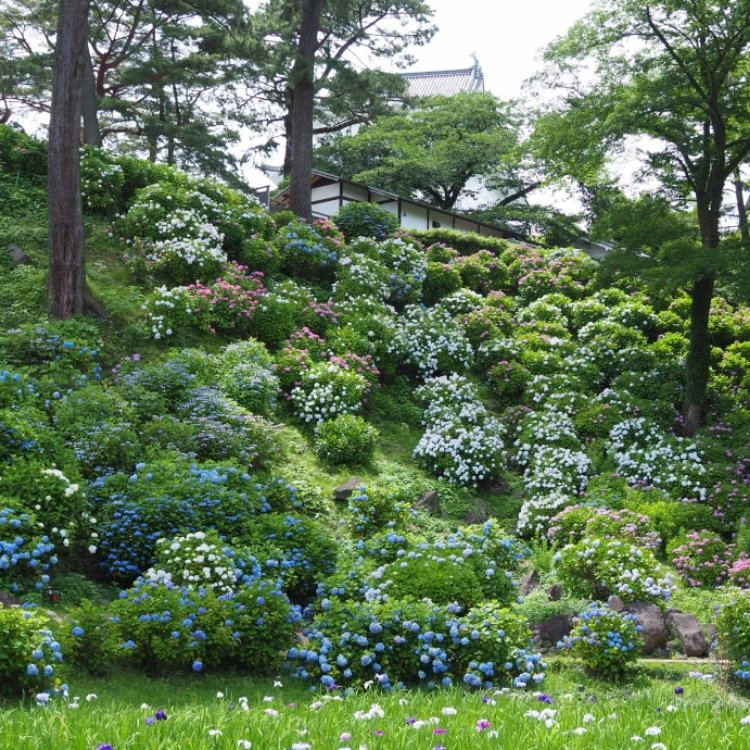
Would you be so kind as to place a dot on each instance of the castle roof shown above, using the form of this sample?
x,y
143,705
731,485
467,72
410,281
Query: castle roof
x,y
445,82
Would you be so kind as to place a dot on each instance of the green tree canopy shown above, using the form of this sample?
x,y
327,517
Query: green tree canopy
x,y
674,74
346,91
160,75
429,152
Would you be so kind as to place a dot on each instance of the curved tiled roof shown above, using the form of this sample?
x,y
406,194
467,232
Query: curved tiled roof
x,y
445,82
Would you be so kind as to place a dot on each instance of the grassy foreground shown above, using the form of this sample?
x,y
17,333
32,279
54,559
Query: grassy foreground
x,y
663,706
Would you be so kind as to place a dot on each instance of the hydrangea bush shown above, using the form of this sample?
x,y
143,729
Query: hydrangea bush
x,y
165,627
346,439
431,341
598,568
702,558
402,642
326,391
646,456
608,642
29,654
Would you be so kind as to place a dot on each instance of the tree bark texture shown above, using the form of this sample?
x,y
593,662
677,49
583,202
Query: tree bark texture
x,y
66,283
92,135
699,354
302,97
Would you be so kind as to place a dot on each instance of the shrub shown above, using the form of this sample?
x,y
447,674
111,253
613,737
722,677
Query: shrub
x,y
371,509
432,341
670,517
202,560
55,500
168,382
346,439
90,639
702,558
297,550
28,652
215,428
441,280
184,228
598,568
166,627
102,179
465,242
358,275
168,310
487,641
62,355
440,577
461,441
227,304
259,254
646,456
462,453
553,469
508,381
608,642
537,606
306,252
578,521
279,313
365,220
537,513
739,573
26,555
400,643
327,391
22,155
247,376
407,266
733,624
158,500
482,272
395,643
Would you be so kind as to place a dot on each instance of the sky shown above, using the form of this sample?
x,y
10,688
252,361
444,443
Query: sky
x,y
507,37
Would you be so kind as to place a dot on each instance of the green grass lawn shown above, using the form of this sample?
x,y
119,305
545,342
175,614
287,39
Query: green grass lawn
x,y
219,713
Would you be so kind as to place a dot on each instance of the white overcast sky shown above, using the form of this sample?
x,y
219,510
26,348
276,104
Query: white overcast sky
x,y
507,37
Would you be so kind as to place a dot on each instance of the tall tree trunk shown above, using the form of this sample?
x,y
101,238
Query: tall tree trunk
x,y
66,284
701,296
302,90
699,354
287,168
739,189
92,134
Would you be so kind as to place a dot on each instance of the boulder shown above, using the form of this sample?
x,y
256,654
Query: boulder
x,y
8,600
555,592
548,632
654,629
615,603
686,630
429,501
498,488
529,582
479,515
17,256
344,491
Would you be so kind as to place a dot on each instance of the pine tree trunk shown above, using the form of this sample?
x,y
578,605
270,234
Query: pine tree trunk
x,y
66,284
699,354
287,168
302,89
92,135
